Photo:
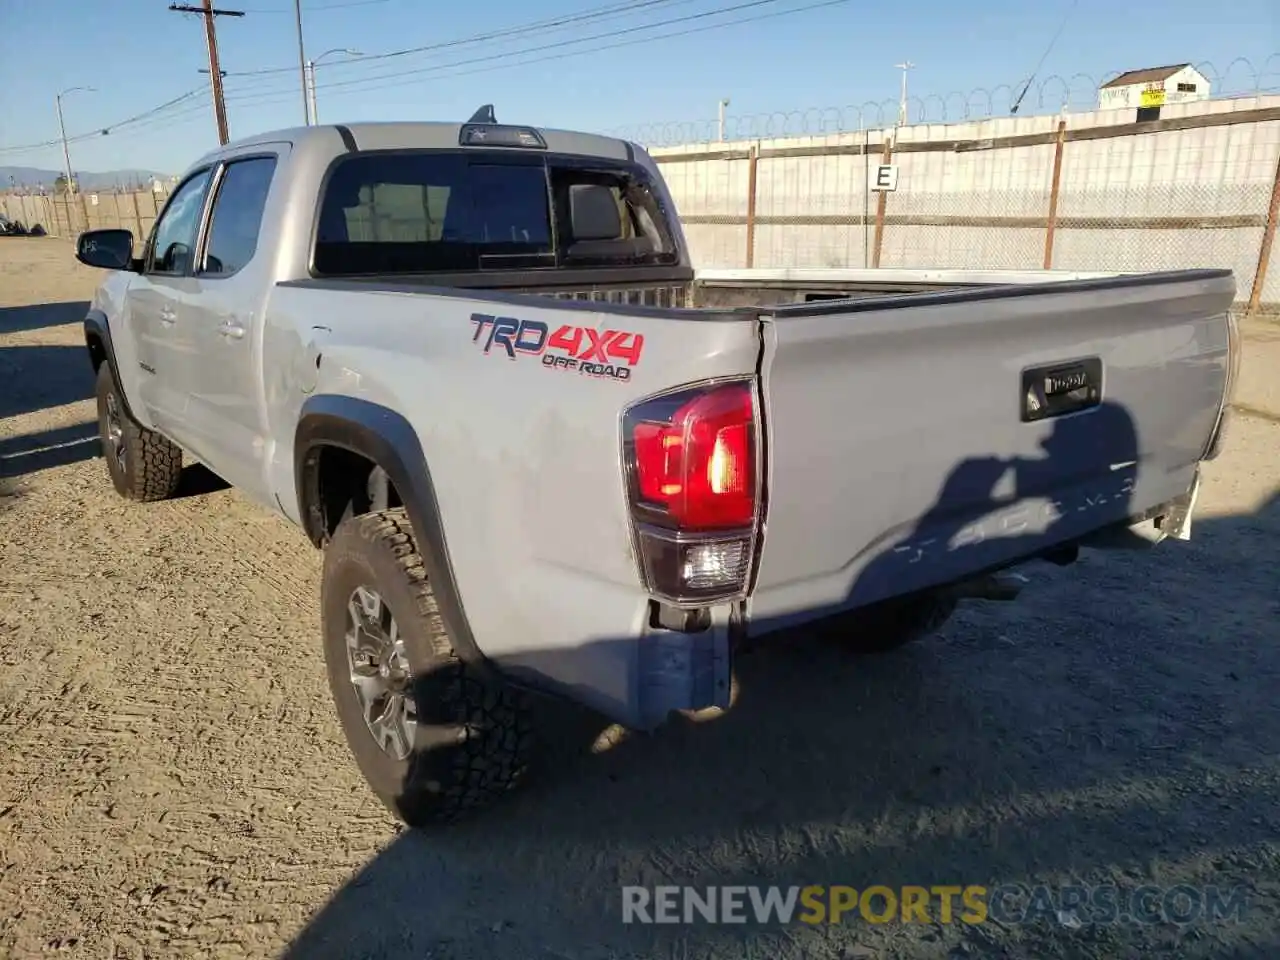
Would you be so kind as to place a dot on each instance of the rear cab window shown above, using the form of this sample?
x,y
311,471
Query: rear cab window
x,y
441,211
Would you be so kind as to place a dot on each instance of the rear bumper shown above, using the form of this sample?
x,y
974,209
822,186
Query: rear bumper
x,y
664,671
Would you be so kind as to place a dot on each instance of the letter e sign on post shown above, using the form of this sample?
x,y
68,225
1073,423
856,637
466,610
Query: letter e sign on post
x,y
884,177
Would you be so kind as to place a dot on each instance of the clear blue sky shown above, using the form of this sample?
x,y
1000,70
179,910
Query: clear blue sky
x,y
138,55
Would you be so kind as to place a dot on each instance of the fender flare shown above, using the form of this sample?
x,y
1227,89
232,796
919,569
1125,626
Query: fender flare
x,y
388,440
97,335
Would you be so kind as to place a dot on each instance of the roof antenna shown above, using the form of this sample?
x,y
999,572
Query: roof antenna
x,y
484,115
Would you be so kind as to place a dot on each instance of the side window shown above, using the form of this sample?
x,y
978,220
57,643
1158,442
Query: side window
x,y
237,216
175,235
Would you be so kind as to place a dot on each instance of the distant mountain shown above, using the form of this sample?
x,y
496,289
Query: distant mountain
x,y
33,176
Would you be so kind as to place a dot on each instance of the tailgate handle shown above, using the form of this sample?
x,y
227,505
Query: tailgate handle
x,y
1061,388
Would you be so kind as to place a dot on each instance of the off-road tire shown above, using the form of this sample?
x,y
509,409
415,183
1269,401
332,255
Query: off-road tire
x,y
152,464
889,625
473,737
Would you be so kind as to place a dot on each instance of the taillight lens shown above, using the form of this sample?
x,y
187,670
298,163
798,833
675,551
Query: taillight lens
x,y
700,466
693,471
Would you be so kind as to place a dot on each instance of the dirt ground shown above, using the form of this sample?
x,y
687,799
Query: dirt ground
x,y
173,781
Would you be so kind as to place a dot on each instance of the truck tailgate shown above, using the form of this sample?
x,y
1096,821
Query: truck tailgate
x,y
914,440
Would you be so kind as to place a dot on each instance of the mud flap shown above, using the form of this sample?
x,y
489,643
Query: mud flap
x,y
1176,523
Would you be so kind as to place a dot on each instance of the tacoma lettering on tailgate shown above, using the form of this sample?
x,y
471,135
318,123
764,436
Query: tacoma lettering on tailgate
x,y
607,354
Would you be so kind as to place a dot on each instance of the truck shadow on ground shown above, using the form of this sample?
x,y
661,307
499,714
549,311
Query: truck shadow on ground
x,y
198,481
1026,741
58,447
39,316
43,376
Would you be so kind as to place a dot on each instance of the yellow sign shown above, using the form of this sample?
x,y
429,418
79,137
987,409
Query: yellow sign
x,y
1153,97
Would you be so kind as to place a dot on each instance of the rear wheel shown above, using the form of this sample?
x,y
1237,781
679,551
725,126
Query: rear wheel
x,y
143,464
886,626
433,739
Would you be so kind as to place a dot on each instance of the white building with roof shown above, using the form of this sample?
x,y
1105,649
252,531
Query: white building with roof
x,y
1153,87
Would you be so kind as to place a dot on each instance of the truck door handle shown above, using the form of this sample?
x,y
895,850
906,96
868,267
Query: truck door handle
x,y
231,330
167,316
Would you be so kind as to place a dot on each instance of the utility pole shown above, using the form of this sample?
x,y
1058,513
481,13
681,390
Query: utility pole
x,y
904,66
66,153
215,71
62,128
302,63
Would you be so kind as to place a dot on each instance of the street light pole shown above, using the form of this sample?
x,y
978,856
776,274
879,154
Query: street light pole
x,y
302,62
723,103
310,76
313,117
62,128
902,104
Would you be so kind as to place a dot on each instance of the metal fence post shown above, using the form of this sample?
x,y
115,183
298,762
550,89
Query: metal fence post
x,y
753,162
1264,248
885,156
1051,224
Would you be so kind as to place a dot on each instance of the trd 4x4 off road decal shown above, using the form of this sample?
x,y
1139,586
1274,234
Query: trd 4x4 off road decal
x,y
609,354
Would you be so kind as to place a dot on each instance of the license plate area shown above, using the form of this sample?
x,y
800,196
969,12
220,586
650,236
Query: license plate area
x,y
1056,389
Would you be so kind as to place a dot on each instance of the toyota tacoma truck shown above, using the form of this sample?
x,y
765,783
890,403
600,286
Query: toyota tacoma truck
x,y
473,362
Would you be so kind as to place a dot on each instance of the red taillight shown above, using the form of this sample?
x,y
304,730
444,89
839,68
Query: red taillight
x,y
700,466
693,464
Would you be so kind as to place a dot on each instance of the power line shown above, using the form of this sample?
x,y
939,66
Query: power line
x,y
128,121
557,45
446,69
145,119
1045,56
321,9
537,26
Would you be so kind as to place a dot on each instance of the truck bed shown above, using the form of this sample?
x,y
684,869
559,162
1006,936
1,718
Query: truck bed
x,y
756,286
715,289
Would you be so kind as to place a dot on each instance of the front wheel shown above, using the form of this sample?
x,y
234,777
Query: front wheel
x,y
143,464
433,739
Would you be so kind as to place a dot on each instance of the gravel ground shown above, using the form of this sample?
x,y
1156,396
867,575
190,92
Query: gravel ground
x,y
173,781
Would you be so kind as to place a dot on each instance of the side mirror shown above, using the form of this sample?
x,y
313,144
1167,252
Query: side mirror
x,y
107,249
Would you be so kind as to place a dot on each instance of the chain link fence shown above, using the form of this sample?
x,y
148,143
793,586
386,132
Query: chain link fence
x,y
1197,187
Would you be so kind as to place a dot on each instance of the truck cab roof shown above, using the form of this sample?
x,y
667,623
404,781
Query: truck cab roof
x,y
429,135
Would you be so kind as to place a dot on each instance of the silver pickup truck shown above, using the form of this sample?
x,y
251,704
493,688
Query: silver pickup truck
x,y
541,453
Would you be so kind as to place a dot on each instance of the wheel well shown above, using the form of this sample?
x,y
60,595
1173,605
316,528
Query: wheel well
x,y
344,483
97,352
